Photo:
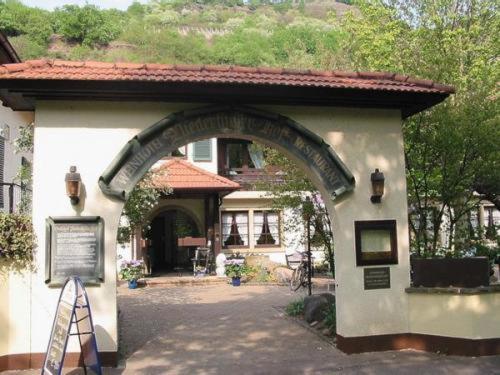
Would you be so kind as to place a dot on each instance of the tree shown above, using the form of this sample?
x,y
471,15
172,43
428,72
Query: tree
x,y
16,19
451,150
296,195
144,197
87,25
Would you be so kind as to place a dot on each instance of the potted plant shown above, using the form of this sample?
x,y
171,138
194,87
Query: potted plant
x,y
234,270
131,271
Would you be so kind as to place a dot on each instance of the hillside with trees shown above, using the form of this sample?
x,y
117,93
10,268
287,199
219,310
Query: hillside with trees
x,y
452,151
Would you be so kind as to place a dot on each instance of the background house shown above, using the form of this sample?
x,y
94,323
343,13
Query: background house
x,y
11,191
215,202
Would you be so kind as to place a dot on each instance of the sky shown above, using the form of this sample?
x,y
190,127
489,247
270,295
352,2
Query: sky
x,y
51,4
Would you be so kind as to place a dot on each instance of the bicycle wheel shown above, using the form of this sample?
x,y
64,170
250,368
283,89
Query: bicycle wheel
x,y
303,276
297,278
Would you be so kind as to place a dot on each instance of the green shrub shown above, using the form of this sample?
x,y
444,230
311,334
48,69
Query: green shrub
x,y
295,308
87,25
17,243
331,318
28,48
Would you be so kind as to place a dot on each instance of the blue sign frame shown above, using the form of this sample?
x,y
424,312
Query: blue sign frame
x,y
73,310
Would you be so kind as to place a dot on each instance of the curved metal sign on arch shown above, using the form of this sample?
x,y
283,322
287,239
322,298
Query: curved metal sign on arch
x,y
181,128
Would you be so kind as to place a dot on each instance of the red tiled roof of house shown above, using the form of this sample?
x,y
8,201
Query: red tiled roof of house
x,y
182,175
101,71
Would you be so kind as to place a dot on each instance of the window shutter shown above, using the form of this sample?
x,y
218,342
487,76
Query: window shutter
x,y
2,162
203,150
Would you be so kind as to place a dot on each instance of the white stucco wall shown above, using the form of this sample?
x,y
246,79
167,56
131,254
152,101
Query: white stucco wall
x,y
365,140
4,316
12,331
89,135
467,316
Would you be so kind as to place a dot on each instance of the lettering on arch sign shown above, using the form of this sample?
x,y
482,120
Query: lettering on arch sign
x,y
181,128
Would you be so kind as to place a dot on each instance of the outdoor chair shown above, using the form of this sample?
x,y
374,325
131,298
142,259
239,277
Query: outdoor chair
x,y
202,258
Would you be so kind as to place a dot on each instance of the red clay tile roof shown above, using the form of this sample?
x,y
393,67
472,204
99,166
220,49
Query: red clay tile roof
x,y
182,175
101,71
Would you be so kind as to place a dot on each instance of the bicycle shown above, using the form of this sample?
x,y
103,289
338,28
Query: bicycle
x,y
299,275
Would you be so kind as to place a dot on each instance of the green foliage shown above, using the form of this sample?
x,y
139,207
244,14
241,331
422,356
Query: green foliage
x,y
331,318
24,143
238,268
295,308
87,25
249,47
141,200
17,19
453,150
131,270
29,29
24,176
27,48
17,243
258,273
298,196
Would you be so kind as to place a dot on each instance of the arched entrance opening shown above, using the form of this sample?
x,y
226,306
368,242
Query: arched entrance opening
x,y
166,228
160,218
232,129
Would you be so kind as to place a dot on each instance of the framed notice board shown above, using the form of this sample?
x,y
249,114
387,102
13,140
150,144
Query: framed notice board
x,y
74,247
376,242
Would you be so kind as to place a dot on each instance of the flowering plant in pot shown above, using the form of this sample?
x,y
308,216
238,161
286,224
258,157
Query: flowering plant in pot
x,y
131,271
235,268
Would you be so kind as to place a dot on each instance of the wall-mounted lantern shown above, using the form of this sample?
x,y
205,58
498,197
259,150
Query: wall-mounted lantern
x,y
73,185
378,179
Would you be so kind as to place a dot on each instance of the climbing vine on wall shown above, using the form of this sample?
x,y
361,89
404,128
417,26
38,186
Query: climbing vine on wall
x,y
141,200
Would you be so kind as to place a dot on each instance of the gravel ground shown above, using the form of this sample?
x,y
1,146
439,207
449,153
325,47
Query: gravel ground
x,y
219,329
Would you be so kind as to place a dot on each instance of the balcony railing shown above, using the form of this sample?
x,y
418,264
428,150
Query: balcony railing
x,y
250,178
13,197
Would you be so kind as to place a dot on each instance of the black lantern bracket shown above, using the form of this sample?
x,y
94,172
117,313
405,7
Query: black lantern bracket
x,y
377,179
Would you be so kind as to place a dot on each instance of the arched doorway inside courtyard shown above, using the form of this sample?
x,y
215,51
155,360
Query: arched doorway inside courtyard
x,y
166,227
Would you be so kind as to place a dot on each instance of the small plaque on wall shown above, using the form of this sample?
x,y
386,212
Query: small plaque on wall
x,y
377,278
376,242
74,247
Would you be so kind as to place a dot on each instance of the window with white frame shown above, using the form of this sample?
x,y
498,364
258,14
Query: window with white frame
x,y
266,228
234,228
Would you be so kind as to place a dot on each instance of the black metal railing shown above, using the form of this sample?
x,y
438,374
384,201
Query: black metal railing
x,y
12,197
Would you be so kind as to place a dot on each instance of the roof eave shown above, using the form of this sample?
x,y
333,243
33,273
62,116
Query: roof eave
x,y
21,94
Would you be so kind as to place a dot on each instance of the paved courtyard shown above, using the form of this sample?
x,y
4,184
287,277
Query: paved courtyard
x,y
219,329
